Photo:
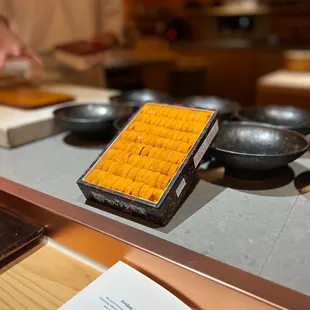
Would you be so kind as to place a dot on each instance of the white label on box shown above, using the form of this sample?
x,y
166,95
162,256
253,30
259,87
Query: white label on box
x,y
180,187
124,288
206,143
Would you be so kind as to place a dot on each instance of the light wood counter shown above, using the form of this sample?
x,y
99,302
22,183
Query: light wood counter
x,y
43,278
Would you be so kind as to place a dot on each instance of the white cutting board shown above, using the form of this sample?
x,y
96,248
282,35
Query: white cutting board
x,y
19,126
286,79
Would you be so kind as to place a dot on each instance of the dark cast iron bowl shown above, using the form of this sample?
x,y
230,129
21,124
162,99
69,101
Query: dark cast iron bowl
x,y
225,108
89,118
256,147
136,98
287,117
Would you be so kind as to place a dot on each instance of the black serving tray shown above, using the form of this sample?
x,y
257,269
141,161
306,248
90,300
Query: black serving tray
x,y
15,233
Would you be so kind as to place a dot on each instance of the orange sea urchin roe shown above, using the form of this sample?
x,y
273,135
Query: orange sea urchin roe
x,y
140,175
157,194
129,187
149,193
113,168
92,175
126,170
133,173
111,154
165,182
144,188
136,188
148,153
106,164
172,170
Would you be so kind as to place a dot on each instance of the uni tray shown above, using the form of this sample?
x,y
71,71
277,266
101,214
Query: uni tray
x,y
149,167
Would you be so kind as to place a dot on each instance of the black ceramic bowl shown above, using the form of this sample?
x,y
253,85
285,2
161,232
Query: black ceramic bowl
x,y
89,118
136,98
287,117
225,108
257,147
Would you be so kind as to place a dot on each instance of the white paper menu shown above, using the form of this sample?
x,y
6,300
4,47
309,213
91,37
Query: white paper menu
x,y
124,288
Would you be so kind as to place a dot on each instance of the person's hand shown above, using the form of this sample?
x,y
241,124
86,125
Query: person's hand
x,y
106,39
12,46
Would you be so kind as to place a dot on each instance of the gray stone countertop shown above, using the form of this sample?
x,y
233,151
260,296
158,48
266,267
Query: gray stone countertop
x,y
260,227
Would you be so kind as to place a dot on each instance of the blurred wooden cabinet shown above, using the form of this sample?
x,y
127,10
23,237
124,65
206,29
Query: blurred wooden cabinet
x,y
290,20
232,73
284,87
267,61
297,60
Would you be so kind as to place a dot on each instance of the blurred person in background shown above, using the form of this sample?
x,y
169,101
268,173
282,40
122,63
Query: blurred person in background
x,y
28,27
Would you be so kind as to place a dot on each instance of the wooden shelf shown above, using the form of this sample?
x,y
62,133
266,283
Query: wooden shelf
x,y
43,278
289,7
237,11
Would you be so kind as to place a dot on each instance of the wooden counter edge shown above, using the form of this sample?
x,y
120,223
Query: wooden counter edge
x,y
185,273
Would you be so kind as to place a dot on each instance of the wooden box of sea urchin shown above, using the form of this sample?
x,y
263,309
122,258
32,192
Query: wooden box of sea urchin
x,y
149,166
